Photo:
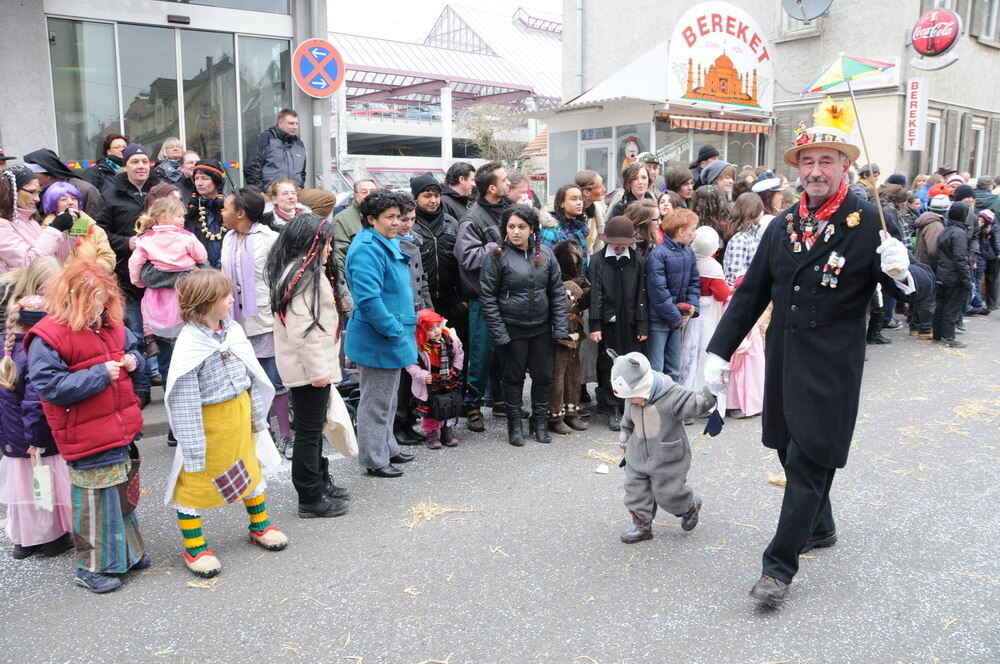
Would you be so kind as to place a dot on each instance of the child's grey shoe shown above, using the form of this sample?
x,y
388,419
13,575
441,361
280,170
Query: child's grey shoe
x,y
640,530
690,518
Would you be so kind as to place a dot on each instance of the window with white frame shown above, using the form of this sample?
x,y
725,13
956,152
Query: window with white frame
x,y
796,26
990,20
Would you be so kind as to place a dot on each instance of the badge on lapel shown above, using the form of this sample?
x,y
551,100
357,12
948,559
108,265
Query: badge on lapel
x,y
854,219
832,269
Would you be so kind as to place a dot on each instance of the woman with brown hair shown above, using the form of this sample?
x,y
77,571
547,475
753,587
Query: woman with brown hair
x,y
746,230
635,186
681,181
645,218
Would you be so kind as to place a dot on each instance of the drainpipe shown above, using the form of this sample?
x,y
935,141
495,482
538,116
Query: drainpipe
x,y
579,46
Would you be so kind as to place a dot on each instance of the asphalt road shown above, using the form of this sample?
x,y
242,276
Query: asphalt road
x,y
532,569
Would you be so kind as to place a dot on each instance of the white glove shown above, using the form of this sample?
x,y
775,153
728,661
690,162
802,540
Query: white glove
x,y
895,260
716,373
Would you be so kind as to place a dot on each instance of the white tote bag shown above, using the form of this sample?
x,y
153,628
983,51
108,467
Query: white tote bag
x,y
41,482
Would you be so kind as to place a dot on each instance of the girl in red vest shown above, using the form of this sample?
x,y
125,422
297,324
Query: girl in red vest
x,y
80,360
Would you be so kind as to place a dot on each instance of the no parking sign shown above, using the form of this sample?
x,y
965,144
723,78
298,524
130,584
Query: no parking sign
x,y
318,68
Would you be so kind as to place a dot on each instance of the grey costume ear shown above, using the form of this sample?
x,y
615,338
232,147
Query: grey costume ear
x,y
612,354
634,363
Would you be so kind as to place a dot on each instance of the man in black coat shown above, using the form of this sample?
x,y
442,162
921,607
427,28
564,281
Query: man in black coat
x,y
459,182
818,262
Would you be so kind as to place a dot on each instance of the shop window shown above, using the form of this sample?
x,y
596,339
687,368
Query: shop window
x,y
149,79
930,157
265,75
990,26
673,146
85,86
209,72
630,141
741,150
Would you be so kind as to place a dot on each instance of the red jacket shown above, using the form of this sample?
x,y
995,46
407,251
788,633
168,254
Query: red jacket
x,y
109,419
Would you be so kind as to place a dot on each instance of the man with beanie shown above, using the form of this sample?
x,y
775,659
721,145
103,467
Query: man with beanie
x,y
896,178
655,445
437,230
706,155
868,175
656,181
50,169
125,200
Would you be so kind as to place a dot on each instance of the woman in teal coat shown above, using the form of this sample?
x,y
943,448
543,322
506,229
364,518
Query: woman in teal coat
x,y
380,332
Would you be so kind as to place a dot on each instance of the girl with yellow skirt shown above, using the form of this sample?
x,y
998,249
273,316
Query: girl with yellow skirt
x,y
217,400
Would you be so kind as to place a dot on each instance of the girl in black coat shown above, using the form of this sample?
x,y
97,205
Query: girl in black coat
x,y
524,306
951,274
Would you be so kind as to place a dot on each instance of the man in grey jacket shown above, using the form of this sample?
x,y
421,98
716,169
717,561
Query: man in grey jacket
x,y
656,449
279,153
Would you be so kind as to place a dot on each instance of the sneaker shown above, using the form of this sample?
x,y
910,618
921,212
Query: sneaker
x,y
690,518
892,325
325,508
171,441
284,445
960,325
499,409
954,343
97,583
57,546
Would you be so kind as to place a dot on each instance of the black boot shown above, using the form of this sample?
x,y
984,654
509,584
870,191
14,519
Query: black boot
x,y
875,329
540,422
515,427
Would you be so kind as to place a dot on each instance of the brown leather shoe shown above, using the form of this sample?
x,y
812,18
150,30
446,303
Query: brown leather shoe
x,y
821,541
769,590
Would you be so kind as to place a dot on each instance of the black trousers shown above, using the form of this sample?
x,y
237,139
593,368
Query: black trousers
x,y
309,466
530,355
949,302
805,511
606,398
404,412
992,282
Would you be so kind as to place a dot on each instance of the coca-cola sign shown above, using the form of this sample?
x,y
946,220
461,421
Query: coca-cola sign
x,y
936,32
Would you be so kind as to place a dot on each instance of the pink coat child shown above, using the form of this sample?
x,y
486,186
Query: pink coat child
x,y
169,248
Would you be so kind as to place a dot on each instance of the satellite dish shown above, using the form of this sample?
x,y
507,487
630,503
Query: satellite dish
x,y
806,10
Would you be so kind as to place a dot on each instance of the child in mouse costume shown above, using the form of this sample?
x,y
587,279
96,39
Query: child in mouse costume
x,y
657,454
217,400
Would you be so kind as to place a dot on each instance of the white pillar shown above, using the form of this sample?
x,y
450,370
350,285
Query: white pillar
x,y
446,126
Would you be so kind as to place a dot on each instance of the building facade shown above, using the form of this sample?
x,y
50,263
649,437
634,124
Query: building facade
x,y
213,73
616,80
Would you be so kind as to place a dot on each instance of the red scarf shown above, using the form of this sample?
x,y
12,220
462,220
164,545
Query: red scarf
x,y
827,209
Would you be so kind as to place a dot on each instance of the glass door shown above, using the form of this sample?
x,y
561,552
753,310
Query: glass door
x,y
596,156
208,64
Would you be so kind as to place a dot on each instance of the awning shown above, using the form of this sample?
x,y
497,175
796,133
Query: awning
x,y
712,124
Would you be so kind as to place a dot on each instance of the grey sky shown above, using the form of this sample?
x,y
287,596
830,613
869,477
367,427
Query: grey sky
x,y
411,20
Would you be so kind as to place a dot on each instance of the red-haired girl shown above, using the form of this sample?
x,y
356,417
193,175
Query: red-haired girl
x,y
438,371
80,360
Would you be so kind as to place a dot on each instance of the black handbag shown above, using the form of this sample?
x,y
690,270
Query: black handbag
x,y
445,405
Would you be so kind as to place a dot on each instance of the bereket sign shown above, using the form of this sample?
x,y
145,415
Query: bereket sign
x,y
719,54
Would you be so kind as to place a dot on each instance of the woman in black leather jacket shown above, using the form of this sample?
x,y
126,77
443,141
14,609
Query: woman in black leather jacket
x,y
524,305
